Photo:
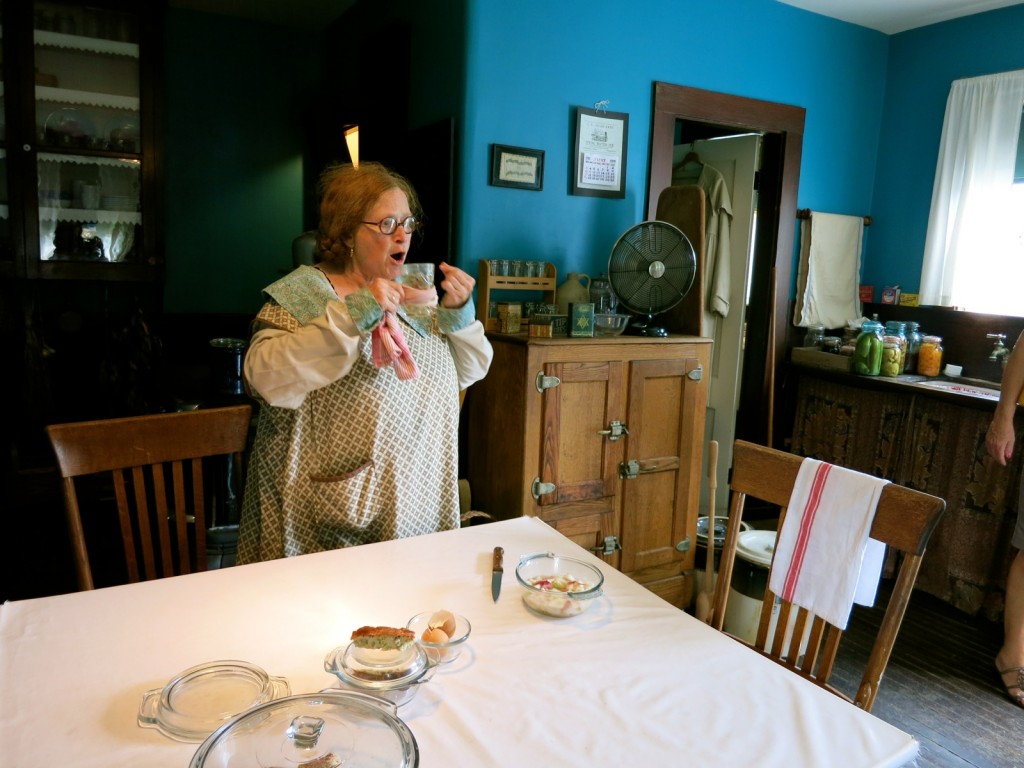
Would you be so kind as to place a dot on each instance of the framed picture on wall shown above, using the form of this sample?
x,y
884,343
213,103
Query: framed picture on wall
x,y
599,156
517,167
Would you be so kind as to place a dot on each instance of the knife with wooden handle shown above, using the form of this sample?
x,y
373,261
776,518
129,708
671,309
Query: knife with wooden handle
x,y
497,572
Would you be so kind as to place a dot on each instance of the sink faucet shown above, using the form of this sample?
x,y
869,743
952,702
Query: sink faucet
x,y
1000,352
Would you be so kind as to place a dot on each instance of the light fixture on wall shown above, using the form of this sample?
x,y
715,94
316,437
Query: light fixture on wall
x,y
352,142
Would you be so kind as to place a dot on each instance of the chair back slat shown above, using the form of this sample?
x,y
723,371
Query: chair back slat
x,y
904,521
155,464
124,514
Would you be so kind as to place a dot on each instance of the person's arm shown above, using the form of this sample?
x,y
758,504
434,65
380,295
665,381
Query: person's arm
x,y
470,348
283,366
1000,437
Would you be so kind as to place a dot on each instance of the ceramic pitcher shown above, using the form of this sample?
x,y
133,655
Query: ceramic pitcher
x,y
575,289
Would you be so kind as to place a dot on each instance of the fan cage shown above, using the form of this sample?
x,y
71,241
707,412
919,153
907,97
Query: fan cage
x,y
652,267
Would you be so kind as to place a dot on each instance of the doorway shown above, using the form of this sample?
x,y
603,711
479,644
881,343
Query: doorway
x,y
704,114
728,165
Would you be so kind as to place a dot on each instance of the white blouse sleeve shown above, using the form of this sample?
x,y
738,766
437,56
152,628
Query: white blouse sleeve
x,y
472,353
284,366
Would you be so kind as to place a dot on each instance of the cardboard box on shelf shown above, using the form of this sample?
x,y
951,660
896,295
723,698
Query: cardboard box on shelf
x,y
891,294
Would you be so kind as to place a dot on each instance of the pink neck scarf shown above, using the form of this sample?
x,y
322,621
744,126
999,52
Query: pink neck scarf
x,y
389,348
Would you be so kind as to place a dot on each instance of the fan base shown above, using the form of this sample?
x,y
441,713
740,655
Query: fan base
x,y
640,328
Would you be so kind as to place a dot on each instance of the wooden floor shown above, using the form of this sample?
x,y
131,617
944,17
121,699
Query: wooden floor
x,y
940,685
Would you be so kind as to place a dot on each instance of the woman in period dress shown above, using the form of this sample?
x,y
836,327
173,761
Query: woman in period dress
x,y
358,378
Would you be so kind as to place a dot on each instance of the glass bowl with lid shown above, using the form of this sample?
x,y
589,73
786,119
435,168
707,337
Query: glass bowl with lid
x,y
328,728
197,701
394,678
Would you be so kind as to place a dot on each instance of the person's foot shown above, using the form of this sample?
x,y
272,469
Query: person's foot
x,y
1013,683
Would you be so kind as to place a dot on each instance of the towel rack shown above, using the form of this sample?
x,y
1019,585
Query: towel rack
x,y
805,213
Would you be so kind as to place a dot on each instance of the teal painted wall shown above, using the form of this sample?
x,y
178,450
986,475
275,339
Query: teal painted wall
x,y
923,65
236,94
531,62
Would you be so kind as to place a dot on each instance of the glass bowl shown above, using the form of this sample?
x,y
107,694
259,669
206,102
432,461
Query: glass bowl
x,y
394,679
444,652
610,324
558,586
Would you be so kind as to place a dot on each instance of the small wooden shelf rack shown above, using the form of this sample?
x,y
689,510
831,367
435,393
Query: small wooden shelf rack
x,y
486,282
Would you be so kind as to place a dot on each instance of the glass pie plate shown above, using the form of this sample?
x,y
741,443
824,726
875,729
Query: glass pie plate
x,y
326,729
392,676
201,699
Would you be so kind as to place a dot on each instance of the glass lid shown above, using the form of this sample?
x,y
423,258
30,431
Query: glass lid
x,y
327,730
199,700
378,670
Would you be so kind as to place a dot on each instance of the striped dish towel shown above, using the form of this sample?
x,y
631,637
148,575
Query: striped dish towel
x,y
824,560
389,348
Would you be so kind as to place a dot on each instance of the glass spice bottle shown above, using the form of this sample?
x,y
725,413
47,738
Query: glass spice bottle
x,y
929,356
815,335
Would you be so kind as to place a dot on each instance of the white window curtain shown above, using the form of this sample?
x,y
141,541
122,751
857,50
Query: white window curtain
x,y
972,226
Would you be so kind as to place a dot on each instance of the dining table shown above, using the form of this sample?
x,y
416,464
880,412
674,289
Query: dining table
x,y
631,681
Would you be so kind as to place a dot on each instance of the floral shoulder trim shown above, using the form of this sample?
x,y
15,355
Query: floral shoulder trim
x,y
304,293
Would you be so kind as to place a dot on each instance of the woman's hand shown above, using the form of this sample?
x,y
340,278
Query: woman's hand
x,y
388,293
457,286
999,441
419,296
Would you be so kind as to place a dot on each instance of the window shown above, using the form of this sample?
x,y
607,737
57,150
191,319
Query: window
x,y
974,252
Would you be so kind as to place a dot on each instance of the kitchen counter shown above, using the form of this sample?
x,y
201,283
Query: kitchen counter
x,y
928,434
962,390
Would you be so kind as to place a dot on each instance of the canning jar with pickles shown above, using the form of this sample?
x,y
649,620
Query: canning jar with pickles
x,y
897,329
929,356
892,360
867,353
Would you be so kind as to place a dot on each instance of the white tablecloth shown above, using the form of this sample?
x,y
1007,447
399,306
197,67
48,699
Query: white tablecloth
x,y
631,682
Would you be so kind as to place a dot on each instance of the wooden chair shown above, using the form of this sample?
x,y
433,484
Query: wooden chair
x,y
156,465
904,521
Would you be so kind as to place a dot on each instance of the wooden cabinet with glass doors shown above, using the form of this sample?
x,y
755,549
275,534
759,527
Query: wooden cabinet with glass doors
x,y
601,438
79,141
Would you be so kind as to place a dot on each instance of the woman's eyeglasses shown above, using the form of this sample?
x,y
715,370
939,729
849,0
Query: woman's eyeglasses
x,y
389,224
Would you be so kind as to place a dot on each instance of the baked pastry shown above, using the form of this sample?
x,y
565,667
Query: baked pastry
x,y
383,638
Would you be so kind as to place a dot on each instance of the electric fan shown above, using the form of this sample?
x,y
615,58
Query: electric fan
x,y
651,268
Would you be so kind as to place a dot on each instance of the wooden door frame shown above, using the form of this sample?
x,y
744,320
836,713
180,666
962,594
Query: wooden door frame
x,y
783,128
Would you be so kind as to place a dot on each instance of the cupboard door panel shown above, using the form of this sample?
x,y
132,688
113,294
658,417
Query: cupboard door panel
x,y
654,503
579,461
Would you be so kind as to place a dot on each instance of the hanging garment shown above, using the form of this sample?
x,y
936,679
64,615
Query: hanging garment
x,y
717,247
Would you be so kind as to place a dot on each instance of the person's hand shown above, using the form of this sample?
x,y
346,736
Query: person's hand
x,y
388,293
999,441
419,296
457,286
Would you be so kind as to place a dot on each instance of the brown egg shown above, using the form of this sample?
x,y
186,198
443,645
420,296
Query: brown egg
x,y
443,620
434,635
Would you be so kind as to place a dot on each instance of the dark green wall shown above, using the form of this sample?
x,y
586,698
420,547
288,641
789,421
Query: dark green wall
x,y
237,95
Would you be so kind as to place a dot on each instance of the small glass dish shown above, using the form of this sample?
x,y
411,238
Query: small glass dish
x,y
610,324
446,652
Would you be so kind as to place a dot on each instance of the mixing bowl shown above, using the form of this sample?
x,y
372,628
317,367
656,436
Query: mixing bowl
x,y
558,586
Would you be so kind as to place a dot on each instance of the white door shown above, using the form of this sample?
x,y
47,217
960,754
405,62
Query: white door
x,y
737,158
